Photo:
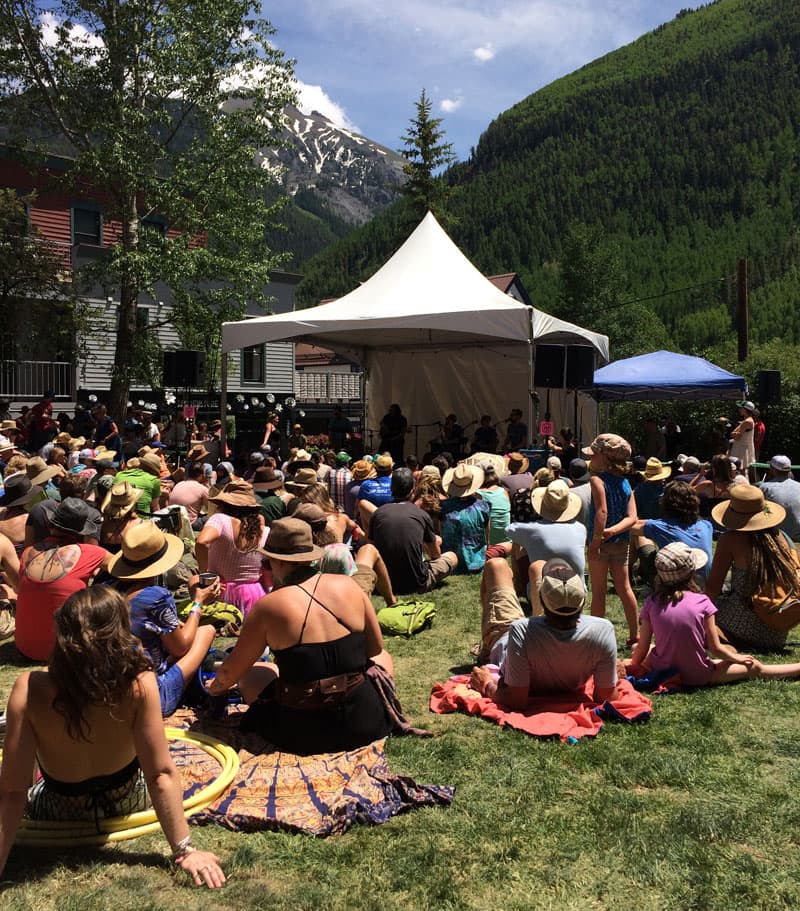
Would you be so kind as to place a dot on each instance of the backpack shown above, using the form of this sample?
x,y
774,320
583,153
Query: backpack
x,y
406,618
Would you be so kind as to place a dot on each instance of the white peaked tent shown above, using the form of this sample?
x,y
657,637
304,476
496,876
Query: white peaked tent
x,y
435,335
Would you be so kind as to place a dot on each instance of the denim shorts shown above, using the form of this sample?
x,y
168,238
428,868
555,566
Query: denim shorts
x,y
170,689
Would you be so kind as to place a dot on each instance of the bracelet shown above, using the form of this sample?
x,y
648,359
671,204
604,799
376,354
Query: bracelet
x,y
183,848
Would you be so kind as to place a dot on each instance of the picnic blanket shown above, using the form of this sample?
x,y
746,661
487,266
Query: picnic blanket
x,y
323,794
568,717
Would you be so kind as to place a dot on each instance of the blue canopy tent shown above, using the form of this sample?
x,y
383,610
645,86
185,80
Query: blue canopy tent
x,y
665,375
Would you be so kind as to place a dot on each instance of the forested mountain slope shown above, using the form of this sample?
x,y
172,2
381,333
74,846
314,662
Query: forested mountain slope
x,y
679,151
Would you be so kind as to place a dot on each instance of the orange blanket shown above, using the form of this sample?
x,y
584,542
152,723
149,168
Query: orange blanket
x,y
569,717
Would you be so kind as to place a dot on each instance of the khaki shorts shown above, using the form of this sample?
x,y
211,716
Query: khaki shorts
x,y
365,578
439,569
500,609
615,552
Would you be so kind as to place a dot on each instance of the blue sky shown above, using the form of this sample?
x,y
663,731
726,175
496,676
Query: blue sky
x,y
364,63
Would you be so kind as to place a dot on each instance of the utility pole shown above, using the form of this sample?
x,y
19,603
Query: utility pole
x,y
742,314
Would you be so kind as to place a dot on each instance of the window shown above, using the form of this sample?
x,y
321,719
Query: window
x,y
154,226
253,364
87,226
142,318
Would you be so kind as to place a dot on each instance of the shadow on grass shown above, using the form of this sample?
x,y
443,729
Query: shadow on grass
x,y
462,668
32,865
10,656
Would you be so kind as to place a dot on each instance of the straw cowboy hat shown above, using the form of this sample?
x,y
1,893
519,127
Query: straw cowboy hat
x,y
483,459
197,453
555,503
304,478
463,480
39,472
517,463
236,493
8,425
77,443
63,439
655,470
361,470
120,500
146,552
290,540
267,479
747,510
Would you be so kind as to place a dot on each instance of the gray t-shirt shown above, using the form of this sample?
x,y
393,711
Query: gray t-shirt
x,y
786,493
549,660
544,540
584,493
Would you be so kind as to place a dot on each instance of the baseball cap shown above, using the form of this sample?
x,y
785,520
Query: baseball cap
x,y
677,561
561,588
780,463
554,463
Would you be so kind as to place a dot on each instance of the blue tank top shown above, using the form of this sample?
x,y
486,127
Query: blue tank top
x,y
618,493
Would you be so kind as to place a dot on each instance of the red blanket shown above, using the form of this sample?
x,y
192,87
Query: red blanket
x,y
569,717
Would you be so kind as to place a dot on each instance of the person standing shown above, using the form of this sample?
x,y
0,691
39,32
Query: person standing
x,y
393,433
338,430
516,432
743,445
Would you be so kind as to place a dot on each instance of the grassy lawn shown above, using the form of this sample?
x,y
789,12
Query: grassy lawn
x,y
699,809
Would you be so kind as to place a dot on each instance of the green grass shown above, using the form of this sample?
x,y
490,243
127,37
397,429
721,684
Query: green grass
x,y
696,810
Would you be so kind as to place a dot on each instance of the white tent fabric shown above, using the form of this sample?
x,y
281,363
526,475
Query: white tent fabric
x,y
432,333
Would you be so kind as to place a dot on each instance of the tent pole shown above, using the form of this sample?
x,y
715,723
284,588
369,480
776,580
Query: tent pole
x,y
363,401
531,366
223,403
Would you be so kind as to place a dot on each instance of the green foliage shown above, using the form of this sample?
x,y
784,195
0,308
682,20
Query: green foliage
x,y
161,105
425,153
681,149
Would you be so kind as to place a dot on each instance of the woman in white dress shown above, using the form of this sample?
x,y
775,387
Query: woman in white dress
x,y
743,446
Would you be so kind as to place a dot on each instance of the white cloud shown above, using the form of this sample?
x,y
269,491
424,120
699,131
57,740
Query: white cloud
x,y
484,53
448,105
78,34
313,98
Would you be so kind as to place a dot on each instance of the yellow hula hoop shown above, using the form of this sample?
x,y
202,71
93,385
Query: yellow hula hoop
x,y
121,828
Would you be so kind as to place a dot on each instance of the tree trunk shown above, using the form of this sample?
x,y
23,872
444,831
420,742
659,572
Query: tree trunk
x,y
126,322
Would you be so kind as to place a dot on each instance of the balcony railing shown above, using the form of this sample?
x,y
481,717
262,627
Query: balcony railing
x,y
327,387
29,379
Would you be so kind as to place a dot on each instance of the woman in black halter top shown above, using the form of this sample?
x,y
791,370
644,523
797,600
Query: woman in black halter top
x,y
324,634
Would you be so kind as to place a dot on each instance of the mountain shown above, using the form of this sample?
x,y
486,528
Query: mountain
x,y
336,180
680,151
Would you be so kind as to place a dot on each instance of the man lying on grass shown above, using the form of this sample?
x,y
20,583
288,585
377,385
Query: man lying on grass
x,y
555,653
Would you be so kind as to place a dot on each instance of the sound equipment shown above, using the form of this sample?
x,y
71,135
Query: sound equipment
x,y
548,368
768,383
184,369
580,367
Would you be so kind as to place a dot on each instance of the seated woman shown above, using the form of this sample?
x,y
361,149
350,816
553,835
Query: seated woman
x,y
758,557
465,517
682,619
175,649
51,570
324,635
429,495
229,544
340,525
716,488
92,722
119,514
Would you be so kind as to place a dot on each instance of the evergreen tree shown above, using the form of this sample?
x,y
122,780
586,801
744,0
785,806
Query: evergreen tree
x,y
426,152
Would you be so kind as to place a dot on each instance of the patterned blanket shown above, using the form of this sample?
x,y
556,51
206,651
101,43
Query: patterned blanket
x,y
567,717
323,794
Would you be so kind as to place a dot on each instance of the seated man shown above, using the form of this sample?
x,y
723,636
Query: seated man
x,y
404,536
192,494
556,653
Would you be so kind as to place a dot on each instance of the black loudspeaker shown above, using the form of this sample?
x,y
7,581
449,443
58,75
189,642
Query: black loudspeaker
x,y
184,369
548,369
580,367
769,387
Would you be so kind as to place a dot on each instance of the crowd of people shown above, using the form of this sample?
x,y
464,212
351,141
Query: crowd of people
x,y
120,566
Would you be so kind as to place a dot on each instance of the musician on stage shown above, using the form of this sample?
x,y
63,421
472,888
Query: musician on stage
x,y
516,432
393,429
485,438
450,439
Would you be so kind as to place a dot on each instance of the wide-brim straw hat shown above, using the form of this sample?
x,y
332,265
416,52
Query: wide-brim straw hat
x,y
151,463
39,472
146,551
517,463
120,500
197,454
748,510
267,479
291,540
303,479
482,459
361,470
77,443
555,503
236,493
463,480
655,470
